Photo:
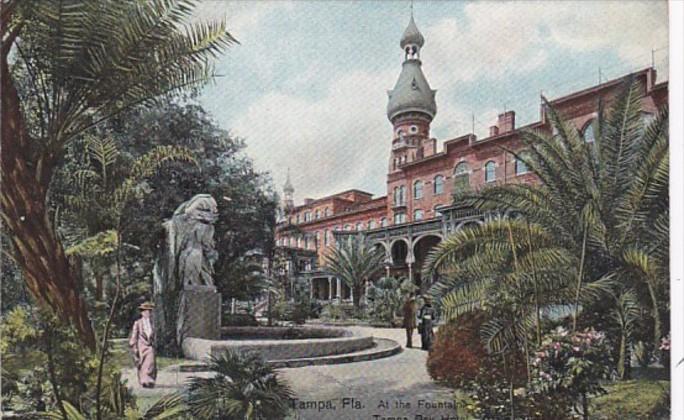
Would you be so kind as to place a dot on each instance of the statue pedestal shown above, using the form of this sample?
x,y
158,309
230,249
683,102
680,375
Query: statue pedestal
x,y
202,312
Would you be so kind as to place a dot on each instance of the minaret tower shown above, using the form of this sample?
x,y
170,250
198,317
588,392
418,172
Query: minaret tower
x,y
288,190
411,105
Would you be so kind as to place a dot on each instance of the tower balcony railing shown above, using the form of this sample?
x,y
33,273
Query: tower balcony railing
x,y
399,205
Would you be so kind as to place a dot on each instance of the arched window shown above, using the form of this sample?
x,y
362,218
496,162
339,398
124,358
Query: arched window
x,y
418,190
318,214
402,194
418,215
371,224
490,171
399,218
307,216
461,177
439,185
327,211
347,227
396,195
383,222
588,133
359,226
461,169
520,166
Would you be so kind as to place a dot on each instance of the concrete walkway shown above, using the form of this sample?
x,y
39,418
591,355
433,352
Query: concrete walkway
x,y
392,387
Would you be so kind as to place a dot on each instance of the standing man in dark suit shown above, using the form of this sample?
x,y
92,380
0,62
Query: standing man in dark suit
x,y
409,319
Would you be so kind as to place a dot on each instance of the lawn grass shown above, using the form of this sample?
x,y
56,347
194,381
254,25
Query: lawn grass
x,y
645,397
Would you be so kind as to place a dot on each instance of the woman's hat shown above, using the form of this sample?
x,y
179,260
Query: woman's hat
x,y
146,306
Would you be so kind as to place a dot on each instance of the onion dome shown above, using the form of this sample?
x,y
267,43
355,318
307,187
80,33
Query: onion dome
x,y
412,35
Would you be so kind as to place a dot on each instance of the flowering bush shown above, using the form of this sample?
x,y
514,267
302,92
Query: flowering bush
x,y
570,366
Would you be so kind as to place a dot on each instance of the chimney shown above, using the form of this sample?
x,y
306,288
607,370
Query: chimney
x,y
493,131
506,122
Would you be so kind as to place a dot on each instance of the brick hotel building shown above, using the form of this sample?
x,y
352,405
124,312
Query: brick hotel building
x,y
418,210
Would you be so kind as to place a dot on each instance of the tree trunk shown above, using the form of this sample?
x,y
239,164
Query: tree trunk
x,y
358,291
580,275
26,174
621,357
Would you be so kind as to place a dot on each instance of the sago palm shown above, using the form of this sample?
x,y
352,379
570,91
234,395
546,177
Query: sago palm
x,y
244,387
355,262
64,68
605,203
513,270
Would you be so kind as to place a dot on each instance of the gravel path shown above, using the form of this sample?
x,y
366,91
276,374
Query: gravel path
x,y
395,387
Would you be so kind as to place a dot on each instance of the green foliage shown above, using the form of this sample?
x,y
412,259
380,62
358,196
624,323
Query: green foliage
x,y
592,229
571,367
41,354
100,59
244,387
354,262
98,245
643,398
333,312
386,297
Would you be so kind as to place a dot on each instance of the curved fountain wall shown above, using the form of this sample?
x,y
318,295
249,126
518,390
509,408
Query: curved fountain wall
x,y
273,344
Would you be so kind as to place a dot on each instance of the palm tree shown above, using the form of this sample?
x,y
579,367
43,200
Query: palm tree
x,y
83,62
512,270
354,262
245,387
604,205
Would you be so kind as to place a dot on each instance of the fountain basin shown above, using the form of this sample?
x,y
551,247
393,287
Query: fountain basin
x,y
277,344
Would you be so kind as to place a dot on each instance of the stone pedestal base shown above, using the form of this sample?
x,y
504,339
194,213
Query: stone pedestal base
x,y
202,312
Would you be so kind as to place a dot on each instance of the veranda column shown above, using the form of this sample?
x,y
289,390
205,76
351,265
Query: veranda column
x,y
311,289
410,272
330,288
338,291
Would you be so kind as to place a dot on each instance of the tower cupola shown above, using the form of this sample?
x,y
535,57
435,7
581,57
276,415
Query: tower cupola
x,y
412,93
412,40
288,191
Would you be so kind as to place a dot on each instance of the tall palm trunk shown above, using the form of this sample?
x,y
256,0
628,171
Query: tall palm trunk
x,y
580,275
38,252
655,314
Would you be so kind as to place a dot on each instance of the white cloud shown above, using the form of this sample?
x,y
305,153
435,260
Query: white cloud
x,y
341,139
496,40
337,142
242,17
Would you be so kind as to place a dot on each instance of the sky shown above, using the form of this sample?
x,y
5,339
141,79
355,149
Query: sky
x,y
307,85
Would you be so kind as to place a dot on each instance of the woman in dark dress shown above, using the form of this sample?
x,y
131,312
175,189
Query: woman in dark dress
x,y
427,317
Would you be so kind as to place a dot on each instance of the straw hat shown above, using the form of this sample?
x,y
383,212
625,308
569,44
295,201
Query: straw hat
x,y
146,306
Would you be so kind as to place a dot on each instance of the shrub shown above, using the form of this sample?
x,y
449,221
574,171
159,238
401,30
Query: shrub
x,y
458,353
459,359
386,297
244,387
570,367
333,312
36,347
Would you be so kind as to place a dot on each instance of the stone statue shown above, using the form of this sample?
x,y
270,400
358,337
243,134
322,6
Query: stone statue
x,y
193,224
185,268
